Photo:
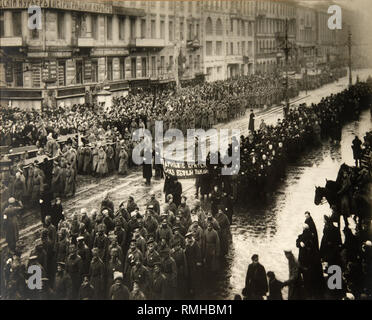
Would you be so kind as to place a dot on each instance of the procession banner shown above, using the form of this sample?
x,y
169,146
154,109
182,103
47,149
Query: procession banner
x,y
184,170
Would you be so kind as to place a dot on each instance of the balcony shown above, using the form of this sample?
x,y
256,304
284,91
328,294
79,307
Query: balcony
x,y
11,41
86,42
146,43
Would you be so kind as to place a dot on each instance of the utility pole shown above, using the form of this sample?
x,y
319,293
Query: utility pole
x,y
286,50
349,44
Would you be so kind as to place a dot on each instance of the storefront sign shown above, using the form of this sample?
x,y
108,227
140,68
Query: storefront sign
x,y
71,5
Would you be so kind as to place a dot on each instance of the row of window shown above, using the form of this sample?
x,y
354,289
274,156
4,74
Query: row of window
x,y
86,71
242,28
80,23
274,25
239,49
266,46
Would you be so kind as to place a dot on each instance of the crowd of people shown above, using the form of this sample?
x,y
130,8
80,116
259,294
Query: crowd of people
x,y
267,150
156,252
153,252
336,267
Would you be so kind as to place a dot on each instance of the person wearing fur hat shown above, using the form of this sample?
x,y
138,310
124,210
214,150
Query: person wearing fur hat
x,y
118,291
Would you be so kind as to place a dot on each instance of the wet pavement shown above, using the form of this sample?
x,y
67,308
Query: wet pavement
x,y
265,230
269,229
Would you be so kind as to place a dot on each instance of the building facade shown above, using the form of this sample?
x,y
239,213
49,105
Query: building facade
x,y
83,46
273,18
306,38
228,39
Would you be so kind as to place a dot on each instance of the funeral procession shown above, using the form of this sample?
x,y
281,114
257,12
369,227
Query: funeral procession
x,y
186,150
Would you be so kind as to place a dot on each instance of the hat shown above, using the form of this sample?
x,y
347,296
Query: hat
x,y
176,228
150,241
368,243
189,235
32,258
61,263
118,275
80,238
11,200
83,210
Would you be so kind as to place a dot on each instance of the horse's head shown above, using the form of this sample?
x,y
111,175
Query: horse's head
x,y
319,194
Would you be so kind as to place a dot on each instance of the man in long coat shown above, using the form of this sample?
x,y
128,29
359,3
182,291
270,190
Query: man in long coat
x,y
255,282
194,264
10,216
147,166
251,121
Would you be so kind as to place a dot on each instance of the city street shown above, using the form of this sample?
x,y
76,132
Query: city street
x,y
265,230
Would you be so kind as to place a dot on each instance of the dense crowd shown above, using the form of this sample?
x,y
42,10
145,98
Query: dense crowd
x,y
335,267
157,251
267,150
101,141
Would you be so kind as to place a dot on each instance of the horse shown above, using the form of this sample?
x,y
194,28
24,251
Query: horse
x,y
330,193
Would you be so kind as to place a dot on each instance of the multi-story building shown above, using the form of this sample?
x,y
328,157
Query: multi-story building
x,y
273,18
81,44
228,39
84,46
306,37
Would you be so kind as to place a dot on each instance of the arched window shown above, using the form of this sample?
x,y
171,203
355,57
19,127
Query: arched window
x,y
219,28
208,26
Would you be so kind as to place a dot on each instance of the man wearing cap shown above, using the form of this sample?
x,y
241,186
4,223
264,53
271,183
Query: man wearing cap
x,y
133,254
151,255
255,282
140,241
194,265
113,265
151,223
169,268
101,242
63,283
154,203
164,232
57,212
211,250
86,291
121,236
141,227
74,267
140,274
178,254
186,214
224,233
11,226
84,252
97,274
159,283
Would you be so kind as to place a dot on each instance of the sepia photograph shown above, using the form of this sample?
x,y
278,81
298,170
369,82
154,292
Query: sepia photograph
x,y
186,151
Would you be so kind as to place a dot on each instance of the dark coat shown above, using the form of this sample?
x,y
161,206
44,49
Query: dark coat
x,y
255,281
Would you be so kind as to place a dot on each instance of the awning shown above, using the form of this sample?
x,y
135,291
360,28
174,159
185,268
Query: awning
x,y
128,11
